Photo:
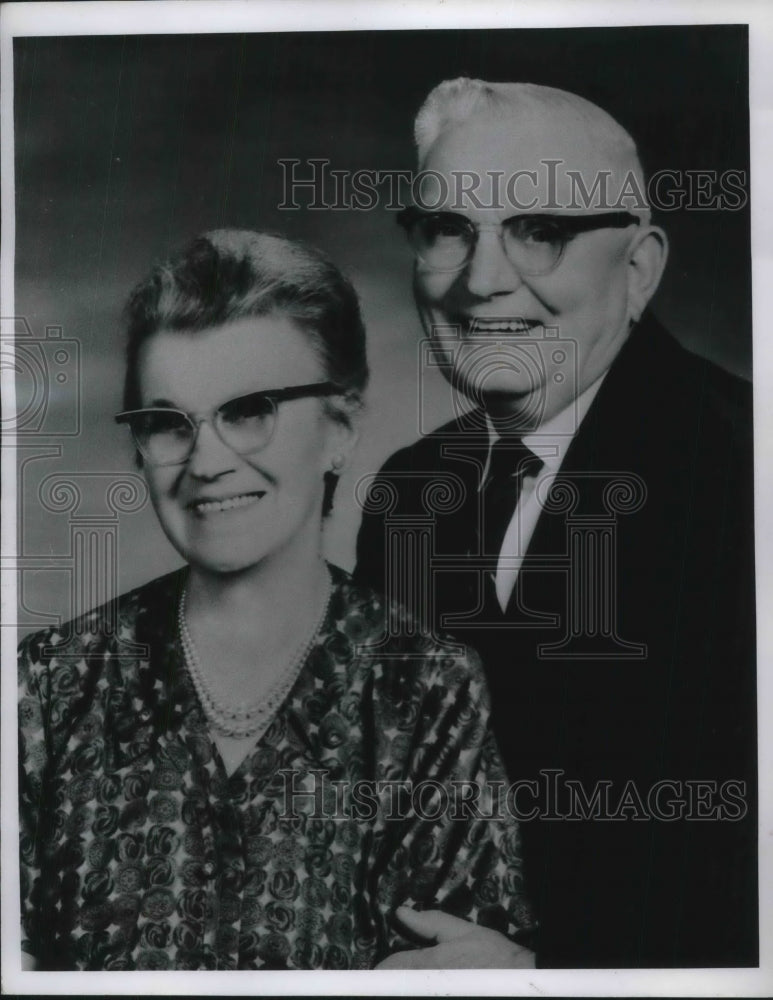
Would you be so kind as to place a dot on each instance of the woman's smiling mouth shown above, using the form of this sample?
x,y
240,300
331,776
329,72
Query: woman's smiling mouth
x,y
216,506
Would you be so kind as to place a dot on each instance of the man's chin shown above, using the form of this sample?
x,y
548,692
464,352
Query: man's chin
x,y
502,397
500,386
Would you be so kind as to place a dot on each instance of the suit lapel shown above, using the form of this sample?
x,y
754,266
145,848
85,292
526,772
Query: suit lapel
x,y
462,449
607,442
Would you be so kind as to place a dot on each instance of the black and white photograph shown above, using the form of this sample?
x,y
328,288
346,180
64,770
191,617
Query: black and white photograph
x,y
381,588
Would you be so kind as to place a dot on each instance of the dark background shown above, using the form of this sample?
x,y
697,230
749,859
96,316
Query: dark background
x,y
128,146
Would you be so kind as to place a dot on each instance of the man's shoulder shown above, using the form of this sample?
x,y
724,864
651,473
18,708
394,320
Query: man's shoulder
x,y
431,450
728,396
654,354
655,375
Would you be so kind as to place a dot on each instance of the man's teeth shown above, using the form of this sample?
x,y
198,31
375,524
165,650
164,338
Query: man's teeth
x,y
210,506
500,326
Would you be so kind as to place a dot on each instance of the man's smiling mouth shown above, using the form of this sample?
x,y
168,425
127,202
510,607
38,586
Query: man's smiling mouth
x,y
216,506
500,324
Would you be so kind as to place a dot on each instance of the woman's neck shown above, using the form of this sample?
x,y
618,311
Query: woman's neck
x,y
268,588
263,598
246,636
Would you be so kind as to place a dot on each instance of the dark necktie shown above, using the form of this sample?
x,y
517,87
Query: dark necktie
x,y
509,462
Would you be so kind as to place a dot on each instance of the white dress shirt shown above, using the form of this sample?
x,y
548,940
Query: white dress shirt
x,y
550,442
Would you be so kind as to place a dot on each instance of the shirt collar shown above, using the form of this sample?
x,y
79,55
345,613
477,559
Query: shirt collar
x,y
551,440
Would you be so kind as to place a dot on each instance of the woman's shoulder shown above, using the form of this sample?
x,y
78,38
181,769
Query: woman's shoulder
x,y
385,636
107,629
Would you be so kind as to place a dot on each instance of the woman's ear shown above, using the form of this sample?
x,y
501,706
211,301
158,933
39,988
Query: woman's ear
x,y
344,434
647,256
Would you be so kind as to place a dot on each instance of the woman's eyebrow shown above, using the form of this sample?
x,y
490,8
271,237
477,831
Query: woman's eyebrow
x,y
165,404
162,403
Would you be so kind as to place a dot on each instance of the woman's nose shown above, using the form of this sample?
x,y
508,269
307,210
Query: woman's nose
x,y
490,271
211,457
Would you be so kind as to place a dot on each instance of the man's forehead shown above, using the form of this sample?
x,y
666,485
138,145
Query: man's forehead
x,y
559,155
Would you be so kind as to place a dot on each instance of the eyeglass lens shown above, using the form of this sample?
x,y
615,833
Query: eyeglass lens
x,y
446,243
246,424
168,436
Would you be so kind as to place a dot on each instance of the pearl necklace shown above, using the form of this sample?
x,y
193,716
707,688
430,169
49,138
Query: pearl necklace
x,y
240,721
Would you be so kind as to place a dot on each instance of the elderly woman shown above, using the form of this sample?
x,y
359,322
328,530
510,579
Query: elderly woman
x,y
219,772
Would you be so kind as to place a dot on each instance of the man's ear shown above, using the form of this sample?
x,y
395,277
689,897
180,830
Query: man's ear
x,y
647,255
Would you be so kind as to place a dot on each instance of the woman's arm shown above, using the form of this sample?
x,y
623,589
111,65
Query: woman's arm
x,y
46,683
461,847
32,757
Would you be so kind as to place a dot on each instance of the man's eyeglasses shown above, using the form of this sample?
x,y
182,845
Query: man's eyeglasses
x,y
534,244
246,424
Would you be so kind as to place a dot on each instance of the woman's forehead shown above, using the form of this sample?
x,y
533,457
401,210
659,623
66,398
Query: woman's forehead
x,y
203,367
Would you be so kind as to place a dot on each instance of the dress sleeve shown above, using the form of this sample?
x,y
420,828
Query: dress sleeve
x,y
33,684
455,844
43,712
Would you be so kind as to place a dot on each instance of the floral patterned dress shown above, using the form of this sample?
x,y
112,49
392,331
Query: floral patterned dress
x,y
139,851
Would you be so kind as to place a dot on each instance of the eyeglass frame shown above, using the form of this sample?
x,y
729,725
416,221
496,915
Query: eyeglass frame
x,y
573,225
195,420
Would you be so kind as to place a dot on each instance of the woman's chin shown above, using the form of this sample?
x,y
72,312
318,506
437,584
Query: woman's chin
x,y
222,564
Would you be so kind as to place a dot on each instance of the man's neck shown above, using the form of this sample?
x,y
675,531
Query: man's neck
x,y
561,426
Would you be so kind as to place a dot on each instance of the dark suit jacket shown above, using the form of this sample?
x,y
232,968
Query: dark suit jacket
x,y
625,659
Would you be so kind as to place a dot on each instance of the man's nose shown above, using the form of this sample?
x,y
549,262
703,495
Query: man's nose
x,y
490,271
211,457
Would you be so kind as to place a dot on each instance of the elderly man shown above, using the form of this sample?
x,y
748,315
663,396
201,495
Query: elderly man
x,y
590,533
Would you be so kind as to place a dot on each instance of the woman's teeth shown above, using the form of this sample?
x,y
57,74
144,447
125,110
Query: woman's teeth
x,y
213,506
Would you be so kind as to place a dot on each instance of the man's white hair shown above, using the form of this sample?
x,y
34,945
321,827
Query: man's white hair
x,y
454,102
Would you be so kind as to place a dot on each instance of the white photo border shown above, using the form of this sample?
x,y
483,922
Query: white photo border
x,y
201,17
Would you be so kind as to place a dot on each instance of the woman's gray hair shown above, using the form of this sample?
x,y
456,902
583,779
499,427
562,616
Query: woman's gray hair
x,y
230,274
